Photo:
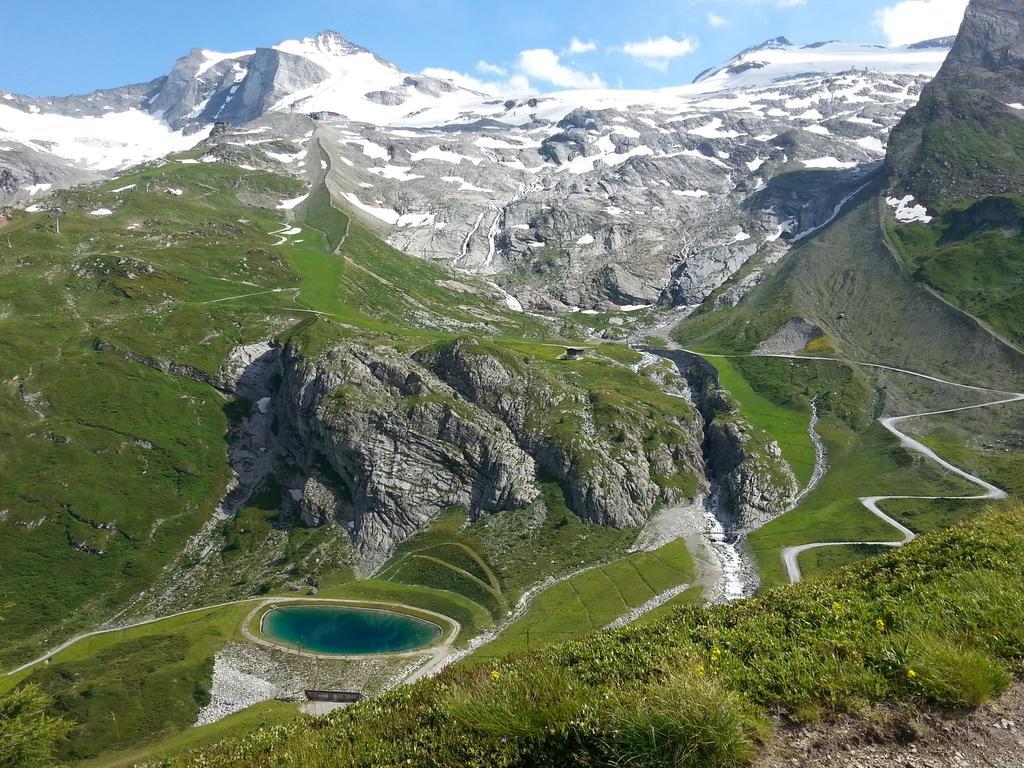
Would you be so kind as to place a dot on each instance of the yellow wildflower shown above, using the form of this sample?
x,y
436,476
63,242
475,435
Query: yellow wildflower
x,y
911,674
495,674
880,624
699,670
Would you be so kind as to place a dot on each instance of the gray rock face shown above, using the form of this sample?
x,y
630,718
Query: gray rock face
x,y
989,51
380,442
757,484
613,207
27,173
321,503
398,444
271,76
238,90
791,338
609,481
181,97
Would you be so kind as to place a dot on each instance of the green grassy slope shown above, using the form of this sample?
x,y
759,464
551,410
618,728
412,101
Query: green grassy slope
x,y
125,688
111,466
863,458
973,255
521,548
786,425
868,463
846,281
702,679
74,420
589,601
182,278
959,143
267,714
444,557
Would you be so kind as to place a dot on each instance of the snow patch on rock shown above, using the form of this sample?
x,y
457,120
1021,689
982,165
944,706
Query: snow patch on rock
x,y
828,163
907,211
287,205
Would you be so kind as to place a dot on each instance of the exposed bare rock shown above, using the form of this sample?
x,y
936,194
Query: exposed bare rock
x,y
991,736
755,481
398,441
611,479
790,338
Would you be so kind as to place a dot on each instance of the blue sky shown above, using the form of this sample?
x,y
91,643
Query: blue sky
x,y
74,46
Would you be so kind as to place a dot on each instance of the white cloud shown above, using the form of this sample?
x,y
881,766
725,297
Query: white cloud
x,y
487,68
546,65
789,3
657,52
715,20
540,64
577,46
912,21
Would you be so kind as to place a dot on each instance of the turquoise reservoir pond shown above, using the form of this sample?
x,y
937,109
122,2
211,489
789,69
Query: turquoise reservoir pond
x,y
343,629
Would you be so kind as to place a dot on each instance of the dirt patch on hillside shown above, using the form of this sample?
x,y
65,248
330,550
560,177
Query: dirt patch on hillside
x,y
992,736
791,338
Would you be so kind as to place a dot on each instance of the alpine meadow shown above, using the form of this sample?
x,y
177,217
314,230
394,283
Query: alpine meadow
x,y
361,416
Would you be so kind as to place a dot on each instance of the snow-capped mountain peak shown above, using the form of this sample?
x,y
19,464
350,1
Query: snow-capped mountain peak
x,y
50,140
359,84
325,48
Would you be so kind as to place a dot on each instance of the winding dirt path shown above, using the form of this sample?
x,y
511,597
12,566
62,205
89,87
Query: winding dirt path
x,y
437,652
71,641
791,555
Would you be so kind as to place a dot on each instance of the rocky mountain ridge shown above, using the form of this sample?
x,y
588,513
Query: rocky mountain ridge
x,y
382,442
581,200
964,140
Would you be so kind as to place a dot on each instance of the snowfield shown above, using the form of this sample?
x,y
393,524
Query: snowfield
x,y
113,140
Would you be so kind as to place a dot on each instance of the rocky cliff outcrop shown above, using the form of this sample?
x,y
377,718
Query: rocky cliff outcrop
x,y
989,51
378,442
381,441
614,470
965,138
756,483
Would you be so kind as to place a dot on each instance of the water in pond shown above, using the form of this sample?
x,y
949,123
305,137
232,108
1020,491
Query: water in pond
x,y
340,629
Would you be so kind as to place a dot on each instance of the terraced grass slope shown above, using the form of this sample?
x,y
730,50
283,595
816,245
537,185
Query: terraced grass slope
x,y
591,600
445,558
695,687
